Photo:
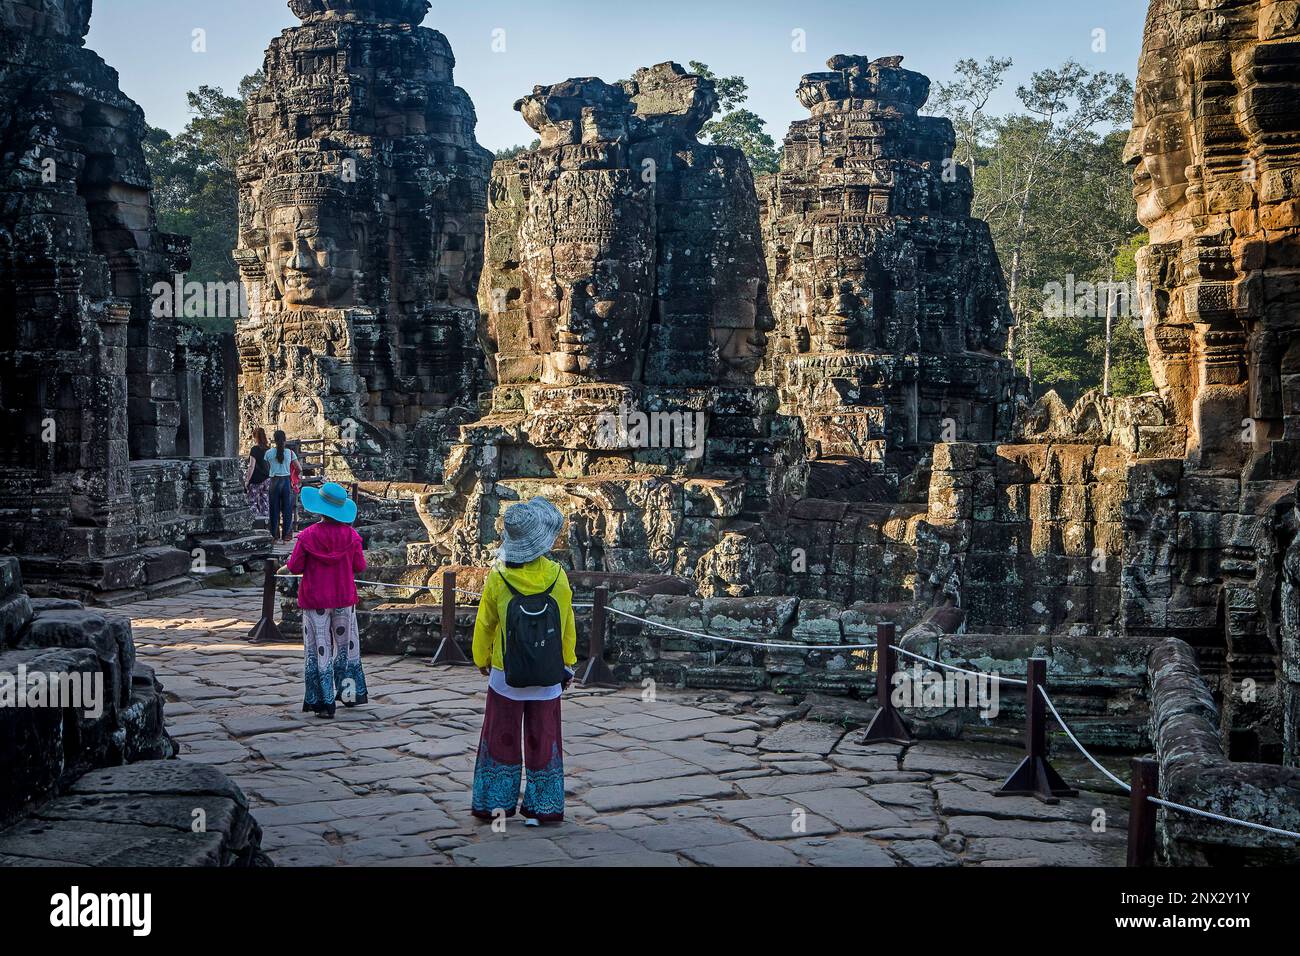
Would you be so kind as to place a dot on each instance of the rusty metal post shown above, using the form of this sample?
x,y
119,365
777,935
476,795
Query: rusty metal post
x,y
1035,777
887,726
266,631
594,672
449,651
1142,812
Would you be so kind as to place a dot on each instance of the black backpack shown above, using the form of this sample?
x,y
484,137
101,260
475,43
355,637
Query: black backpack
x,y
534,655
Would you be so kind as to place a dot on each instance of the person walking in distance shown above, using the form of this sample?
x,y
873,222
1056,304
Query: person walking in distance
x,y
525,643
257,477
280,464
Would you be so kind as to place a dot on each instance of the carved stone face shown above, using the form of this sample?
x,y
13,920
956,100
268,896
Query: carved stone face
x,y
1159,149
312,257
592,327
838,320
740,330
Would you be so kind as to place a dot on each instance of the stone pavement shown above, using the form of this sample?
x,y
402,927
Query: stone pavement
x,y
688,778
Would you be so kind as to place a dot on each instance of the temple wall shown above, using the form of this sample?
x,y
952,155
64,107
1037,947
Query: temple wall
x,y
91,381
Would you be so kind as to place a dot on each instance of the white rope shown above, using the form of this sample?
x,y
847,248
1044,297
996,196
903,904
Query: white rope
x,y
433,588
735,640
1222,819
1075,740
961,670
1156,800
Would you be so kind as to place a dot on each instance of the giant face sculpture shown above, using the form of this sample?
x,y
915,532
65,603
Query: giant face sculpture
x,y
587,236
740,330
1159,149
591,323
312,256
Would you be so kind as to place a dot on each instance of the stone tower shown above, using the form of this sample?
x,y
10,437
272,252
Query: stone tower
x,y
361,238
625,303
891,310
1212,549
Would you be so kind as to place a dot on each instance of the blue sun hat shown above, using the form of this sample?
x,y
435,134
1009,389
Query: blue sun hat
x,y
330,500
530,530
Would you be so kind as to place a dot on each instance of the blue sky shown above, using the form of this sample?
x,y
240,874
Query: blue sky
x,y
149,42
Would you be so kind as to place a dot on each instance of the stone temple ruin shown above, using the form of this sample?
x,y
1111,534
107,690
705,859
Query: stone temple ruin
x,y
626,311
111,459
774,411
361,239
892,312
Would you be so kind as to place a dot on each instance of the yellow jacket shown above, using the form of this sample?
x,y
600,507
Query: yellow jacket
x,y
533,578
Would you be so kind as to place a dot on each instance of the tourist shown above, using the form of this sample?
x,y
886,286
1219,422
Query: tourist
x,y
280,465
329,556
525,644
257,478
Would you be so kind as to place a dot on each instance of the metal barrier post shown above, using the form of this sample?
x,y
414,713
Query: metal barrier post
x,y
887,726
1142,812
266,631
594,672
449,651
1035,777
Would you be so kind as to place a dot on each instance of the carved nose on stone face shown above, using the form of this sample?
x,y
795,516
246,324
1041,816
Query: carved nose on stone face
x,y
1132,154
302,259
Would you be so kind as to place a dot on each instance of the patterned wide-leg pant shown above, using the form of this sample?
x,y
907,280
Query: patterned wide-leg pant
x,y
259,499
499,769
331,660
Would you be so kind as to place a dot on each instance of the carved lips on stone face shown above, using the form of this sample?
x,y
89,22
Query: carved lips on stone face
x,y
312,258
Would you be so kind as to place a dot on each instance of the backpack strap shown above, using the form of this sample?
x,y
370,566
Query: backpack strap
x,y
553,581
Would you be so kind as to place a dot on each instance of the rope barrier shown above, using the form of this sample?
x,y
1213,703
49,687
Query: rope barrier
x,y
1168,804
962,670
1083,750
1222,819
735,640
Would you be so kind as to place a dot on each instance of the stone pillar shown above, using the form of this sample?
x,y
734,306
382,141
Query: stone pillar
x,y
361,237
191,364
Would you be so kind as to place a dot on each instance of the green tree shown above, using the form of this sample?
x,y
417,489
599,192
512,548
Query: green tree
x,y
1051,183
513,151
738,126
196,188
964,102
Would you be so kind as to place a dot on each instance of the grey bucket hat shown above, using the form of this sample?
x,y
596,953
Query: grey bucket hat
x,y
530,530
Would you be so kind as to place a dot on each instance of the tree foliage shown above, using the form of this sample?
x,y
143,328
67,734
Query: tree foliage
x,y
196,188
512,151
1051,182
738,126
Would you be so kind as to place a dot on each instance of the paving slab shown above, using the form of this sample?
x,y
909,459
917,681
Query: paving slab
x,y
690,778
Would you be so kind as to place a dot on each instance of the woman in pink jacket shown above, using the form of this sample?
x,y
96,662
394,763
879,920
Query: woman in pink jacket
x,y
329,556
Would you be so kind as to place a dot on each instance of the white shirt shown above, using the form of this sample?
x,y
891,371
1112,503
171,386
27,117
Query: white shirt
x,y
497,681
278,468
